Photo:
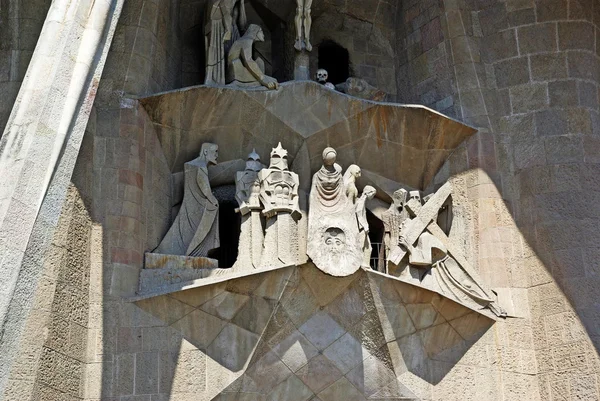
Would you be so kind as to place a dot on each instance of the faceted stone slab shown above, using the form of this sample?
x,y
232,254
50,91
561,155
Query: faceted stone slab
x,y
164,270
288,338
403,143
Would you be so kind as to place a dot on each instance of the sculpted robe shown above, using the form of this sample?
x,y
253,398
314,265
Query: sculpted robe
x,y
223,16
334,243
195,230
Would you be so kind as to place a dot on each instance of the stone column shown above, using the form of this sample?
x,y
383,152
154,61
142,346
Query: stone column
x,y
302,66
39,148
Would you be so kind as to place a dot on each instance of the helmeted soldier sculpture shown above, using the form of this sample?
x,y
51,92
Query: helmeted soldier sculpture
x,y
247,194
226,21
334,243
195,230
279,198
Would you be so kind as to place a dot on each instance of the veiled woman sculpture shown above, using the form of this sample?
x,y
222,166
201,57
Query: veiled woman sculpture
x,y
334,243
226,21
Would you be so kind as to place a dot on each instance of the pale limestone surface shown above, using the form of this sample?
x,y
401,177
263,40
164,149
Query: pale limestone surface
x,y
334,240
41,142
524,192
329,351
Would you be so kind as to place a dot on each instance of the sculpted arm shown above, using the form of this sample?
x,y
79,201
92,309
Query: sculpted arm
x,y
252,66
204,185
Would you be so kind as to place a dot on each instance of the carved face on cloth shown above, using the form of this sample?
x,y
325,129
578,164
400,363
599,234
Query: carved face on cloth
x,y
335,240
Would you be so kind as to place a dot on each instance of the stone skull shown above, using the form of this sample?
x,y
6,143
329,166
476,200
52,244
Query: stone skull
x,y
322,76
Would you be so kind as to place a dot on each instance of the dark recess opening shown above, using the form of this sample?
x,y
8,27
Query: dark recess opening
x,y
376,231
336,60
229,227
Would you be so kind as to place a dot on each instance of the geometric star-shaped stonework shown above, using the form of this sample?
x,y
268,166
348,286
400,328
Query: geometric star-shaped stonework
x,y
295,333
404,143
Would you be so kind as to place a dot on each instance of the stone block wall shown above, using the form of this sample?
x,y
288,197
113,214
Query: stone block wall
x,y
423,74
530,84
367,29
20,25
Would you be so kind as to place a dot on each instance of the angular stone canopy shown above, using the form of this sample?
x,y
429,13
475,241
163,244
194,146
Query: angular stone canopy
x,y
299,331
403,143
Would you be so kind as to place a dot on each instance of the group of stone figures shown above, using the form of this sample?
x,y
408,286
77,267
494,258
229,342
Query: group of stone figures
x,y
336,236
229,41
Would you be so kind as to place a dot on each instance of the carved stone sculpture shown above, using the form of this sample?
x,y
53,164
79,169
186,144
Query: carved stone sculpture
x,y
429,249
247,195
352,173
360,88
226,20
392,221
322,77
242,69
195,230
363,224
334,243
303,24
279,198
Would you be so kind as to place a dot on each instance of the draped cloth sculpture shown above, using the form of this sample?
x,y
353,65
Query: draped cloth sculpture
x,y
226,20
279,198
363,224
334,241
247,194
242,69
195,230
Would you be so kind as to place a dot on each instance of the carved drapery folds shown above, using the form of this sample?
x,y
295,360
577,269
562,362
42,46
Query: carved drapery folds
x,y
415,249
335,240
195,230
229,43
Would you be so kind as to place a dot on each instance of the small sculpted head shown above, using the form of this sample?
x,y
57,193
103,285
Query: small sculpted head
x,y
329,157
322,76
253,162
369,192
335,239
354,171
279,158
210,153
255,32
400,197
414,203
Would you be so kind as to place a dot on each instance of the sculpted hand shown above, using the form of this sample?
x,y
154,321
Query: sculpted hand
x,y
271,83
269,213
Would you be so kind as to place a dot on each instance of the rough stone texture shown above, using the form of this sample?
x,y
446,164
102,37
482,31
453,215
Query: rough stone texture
x,y
365,133
21,25
39,148
524,214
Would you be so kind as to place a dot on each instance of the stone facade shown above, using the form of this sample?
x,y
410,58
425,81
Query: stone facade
x,y
524,73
